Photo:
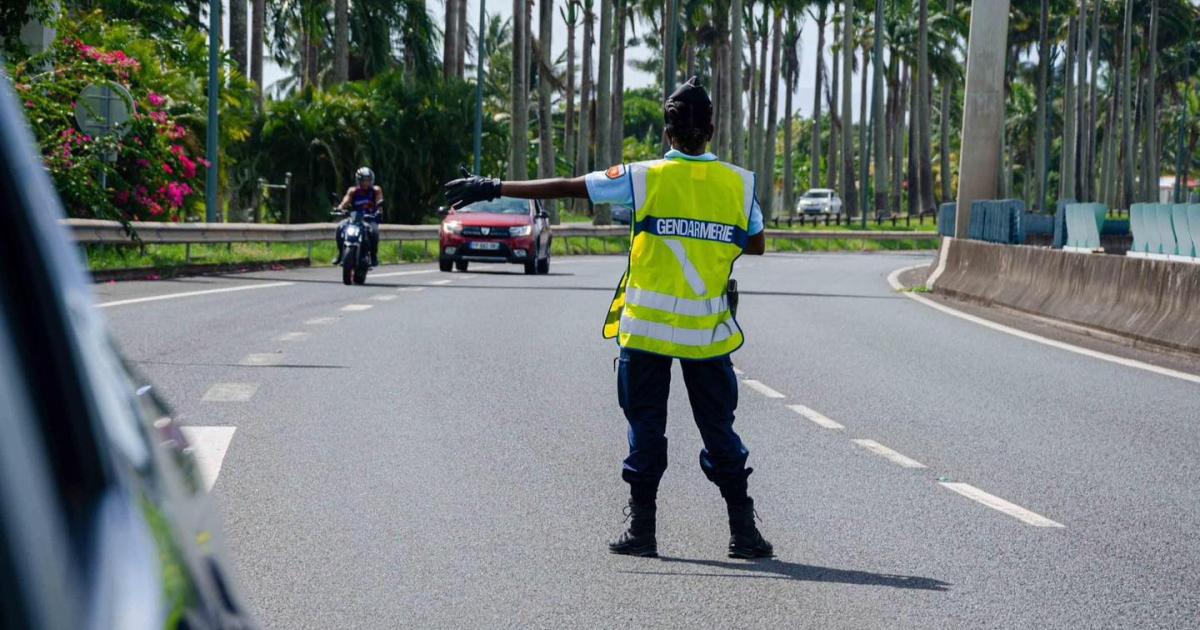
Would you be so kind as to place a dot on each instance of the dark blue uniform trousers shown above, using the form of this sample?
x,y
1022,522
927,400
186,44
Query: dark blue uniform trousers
x,y
643,384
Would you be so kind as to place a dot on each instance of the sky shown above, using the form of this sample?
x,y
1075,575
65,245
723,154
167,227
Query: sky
x,y
802,98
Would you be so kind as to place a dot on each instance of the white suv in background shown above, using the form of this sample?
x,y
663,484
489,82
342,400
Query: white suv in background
x,y
819,201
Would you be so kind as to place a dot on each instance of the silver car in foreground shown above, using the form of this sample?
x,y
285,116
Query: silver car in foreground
x,y
819,201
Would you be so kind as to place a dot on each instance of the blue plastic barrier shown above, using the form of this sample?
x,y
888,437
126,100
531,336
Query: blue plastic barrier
x,y
1166,232
1137,222
1084,222
1163,230
1193,212
1183,234
946,218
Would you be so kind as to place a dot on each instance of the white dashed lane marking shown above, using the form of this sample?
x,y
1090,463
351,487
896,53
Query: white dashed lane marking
x,y
888,454
259,359
209,446
292,336
762,389
467,277
738,371
410,289
391,274
353,308
320,321
231,392
172,296
817,417
384,298
440,282
996,503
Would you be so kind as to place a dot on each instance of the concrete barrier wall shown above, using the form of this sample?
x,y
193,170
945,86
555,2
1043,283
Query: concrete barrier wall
x,y
1150,300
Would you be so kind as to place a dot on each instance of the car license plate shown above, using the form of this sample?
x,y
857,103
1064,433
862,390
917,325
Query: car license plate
x,y
485,245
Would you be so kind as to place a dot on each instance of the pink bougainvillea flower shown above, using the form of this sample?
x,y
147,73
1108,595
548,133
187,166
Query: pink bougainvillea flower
x,y
159,117
203,162
177,150
121,197
188,166
167,169
143,163
177,133
156,100
29,104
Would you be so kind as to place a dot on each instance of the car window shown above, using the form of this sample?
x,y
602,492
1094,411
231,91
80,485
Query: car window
x,y
503,205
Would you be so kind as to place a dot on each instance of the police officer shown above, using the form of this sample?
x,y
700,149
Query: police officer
x,y
368,198
693,217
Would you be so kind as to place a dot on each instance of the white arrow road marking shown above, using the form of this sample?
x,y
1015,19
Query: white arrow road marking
x,y
888,454
231,392
209,445
996,503
816,416
292,336
172,296
762,389
353,308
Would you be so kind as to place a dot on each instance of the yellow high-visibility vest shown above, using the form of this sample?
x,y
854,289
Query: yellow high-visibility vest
x,y
689,225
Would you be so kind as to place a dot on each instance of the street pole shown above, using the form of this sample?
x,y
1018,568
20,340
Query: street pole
x,y
479,92
983,109
214,53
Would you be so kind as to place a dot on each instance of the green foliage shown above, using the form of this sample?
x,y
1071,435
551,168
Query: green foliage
x,y
643,113
412,133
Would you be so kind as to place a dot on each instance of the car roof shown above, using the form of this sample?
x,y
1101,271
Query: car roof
x,y
823,190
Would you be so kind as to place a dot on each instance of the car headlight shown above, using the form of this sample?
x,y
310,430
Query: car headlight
x,y
452,227
522,230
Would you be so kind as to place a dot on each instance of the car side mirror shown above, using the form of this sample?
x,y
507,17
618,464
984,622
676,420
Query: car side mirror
x,y
542,214
443,211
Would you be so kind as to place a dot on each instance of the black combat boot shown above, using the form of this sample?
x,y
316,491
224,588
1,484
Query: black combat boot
x,y
639,539
745,541
337,260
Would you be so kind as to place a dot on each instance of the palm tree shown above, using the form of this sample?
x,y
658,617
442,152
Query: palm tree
x,y
519,126
237,34
618,84
758,130
604,102
767,174
545,113
450,36
1043,85
460,45
341,41
881,148
1067,178
1127,107
1152,170
570,16
791,76
814,179
257,30
735,83
832,166
849,187
945,126
924,85
584,145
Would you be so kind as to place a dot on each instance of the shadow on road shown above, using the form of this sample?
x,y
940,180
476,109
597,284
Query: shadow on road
x,y
782,570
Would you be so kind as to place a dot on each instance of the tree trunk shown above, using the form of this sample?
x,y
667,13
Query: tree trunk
x,y
1111,134
1127,107
850,194
925,86
583,146
877,116
753,87
518,166
545,96
604,102
1089,165
720,75
1153,161
258,28
864,127
237,35
759,130
735,83
569,124
618,87
766,176
914,127
1066,178
897,127
814,176
341,41
450,36
670,52
832,165
1040,157
1080,105
460,45
789,178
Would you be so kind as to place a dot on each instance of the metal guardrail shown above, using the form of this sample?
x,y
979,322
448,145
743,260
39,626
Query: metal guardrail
x,y
92,231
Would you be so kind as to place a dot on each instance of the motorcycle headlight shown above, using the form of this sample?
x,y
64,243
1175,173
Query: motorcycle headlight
x,y
352,230
452,227
523,230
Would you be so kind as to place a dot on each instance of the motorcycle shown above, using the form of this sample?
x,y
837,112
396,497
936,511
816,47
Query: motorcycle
x,y
356,255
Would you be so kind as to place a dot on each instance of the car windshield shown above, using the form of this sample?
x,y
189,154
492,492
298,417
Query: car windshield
x,y
816,194
503,205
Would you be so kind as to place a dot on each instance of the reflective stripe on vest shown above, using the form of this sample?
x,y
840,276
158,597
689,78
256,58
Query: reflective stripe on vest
x,y
690,224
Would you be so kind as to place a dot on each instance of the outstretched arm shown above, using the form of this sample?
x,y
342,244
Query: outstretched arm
x,y
556,188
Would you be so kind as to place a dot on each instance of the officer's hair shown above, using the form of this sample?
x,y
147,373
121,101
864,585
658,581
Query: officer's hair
x,y
688,125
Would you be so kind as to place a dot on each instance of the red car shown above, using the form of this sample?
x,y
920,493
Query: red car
x,y
502,230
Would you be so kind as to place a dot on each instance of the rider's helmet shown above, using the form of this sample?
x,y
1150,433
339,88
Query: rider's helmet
x,y
365,177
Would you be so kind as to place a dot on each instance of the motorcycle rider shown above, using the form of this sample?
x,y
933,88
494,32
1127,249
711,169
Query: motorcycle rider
x,y
368,198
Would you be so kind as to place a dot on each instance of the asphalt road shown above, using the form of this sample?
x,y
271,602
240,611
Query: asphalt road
x,y
449,457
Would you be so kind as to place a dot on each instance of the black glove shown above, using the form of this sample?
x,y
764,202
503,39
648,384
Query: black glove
x,y
471,188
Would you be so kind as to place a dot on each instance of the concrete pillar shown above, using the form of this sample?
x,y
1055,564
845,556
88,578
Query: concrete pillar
x,y
36,36
983,109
